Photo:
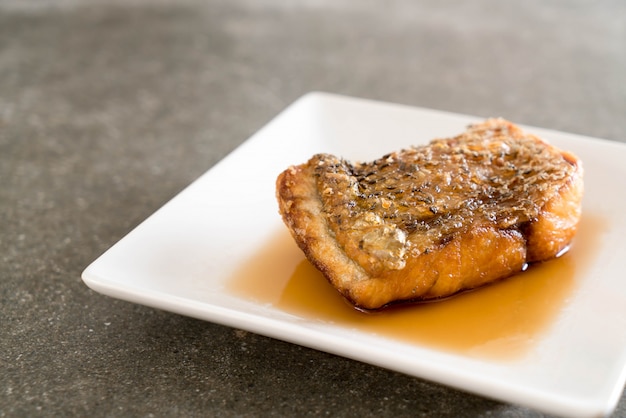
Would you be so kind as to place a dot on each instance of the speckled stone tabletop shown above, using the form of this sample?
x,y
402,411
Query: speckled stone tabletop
x,y
110,108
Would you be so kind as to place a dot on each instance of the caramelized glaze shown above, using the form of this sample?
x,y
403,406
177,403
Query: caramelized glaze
x,y
414,199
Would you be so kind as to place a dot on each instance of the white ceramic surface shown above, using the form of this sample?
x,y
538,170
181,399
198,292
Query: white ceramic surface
x,y
181,258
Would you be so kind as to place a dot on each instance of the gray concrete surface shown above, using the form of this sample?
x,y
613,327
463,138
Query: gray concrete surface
x,y
109,108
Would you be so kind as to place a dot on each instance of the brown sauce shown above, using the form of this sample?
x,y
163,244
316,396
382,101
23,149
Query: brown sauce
x,y
499,321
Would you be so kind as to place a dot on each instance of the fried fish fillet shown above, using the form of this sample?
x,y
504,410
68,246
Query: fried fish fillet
x,y
430,221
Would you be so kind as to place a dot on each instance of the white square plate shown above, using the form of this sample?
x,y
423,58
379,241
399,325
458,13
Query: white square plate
x,y
184,257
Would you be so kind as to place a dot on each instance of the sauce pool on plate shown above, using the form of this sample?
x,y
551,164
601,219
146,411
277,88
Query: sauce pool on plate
x,y
498,321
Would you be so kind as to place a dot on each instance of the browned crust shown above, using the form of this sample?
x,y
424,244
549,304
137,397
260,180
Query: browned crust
x,y
551,233
302,213
478,255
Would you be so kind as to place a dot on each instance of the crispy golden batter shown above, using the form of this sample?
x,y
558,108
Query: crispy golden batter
x,y
430,221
